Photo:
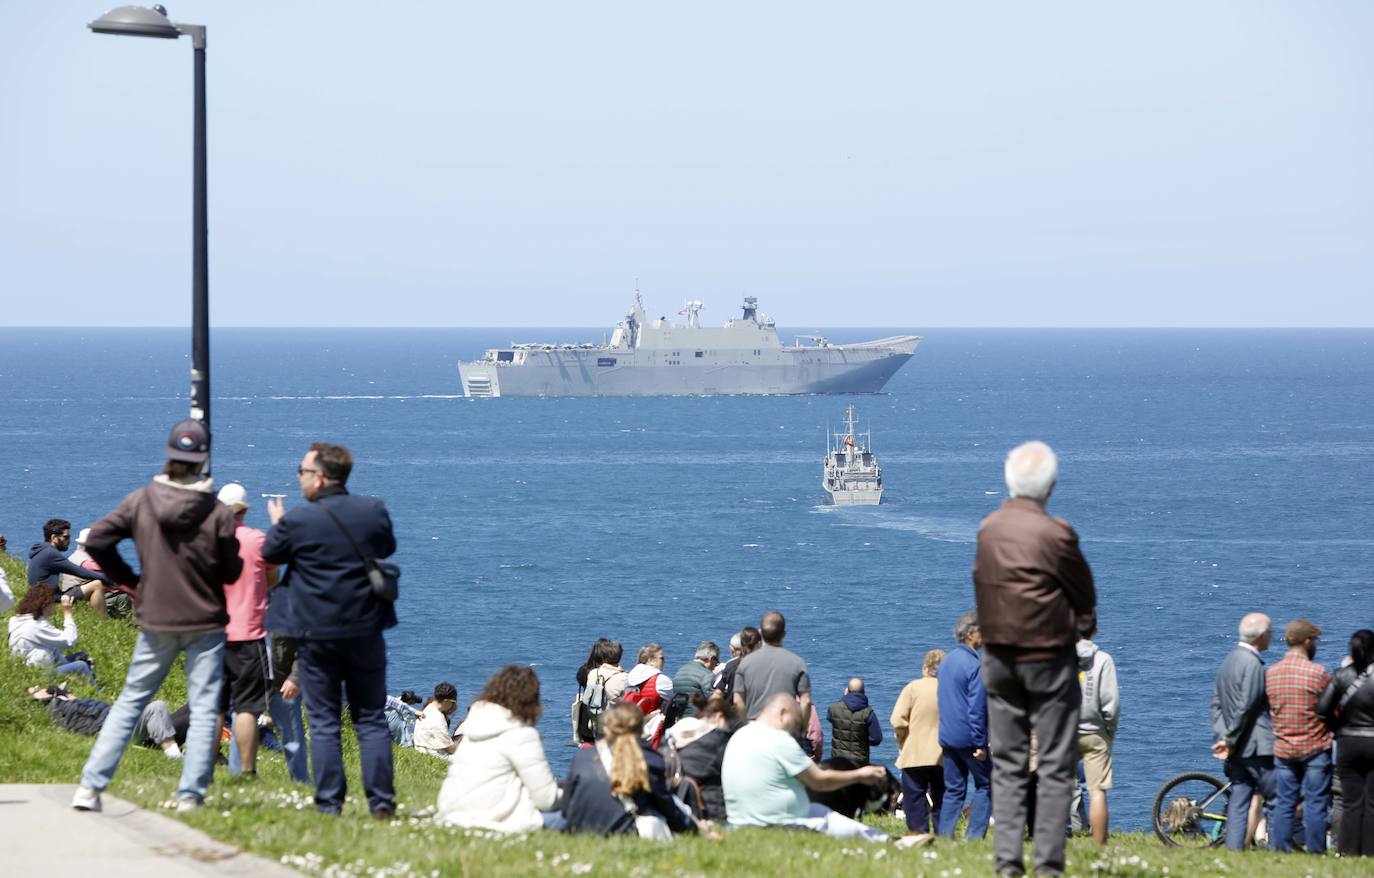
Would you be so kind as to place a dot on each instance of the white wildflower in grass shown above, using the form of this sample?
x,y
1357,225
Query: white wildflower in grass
x,y
580,868
882,852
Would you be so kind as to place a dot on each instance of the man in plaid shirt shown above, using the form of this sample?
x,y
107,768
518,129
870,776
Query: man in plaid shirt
x,y
1302,743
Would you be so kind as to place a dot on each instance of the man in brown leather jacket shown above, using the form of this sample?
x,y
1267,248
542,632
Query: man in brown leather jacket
x,y
1034,589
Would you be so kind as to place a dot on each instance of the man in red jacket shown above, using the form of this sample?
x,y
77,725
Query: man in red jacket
x,y
187,551
1033,588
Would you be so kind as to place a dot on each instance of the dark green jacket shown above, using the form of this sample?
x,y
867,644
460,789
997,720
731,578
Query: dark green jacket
x,y
691,679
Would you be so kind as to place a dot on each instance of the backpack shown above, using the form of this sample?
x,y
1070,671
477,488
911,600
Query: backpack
x,y
674,709
592,704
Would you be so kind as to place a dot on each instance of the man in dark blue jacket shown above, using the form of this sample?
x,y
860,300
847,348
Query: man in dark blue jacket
x,y
47,564
338,621
964,731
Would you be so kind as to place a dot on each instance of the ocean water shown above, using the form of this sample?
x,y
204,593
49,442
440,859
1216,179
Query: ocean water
x,y
1208,473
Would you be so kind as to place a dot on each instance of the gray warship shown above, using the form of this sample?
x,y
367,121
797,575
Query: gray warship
x,y
660,358
852,476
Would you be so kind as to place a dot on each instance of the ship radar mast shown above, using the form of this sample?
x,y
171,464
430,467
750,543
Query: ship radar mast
x,y
751,308
693,312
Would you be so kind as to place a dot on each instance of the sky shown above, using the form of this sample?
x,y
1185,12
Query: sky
x,y
912,164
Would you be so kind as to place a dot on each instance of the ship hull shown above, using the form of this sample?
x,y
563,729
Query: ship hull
x,y
836,369
856,498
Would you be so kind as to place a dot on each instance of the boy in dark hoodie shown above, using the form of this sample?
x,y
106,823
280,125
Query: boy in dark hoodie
x,y
47,564
188,552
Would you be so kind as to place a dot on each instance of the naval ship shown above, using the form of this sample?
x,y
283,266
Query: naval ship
x,y
852,475
660,358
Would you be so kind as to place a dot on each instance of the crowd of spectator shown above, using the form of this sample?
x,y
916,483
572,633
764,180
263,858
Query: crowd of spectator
x,y
1007,728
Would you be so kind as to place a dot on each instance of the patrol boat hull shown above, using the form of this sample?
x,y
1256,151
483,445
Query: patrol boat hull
x,y
743,357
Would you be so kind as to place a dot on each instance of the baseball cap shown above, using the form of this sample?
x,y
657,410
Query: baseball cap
x,y
234,495
81,537
189,442
1299,630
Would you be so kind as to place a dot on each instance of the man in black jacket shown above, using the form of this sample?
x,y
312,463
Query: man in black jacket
x,y
338,621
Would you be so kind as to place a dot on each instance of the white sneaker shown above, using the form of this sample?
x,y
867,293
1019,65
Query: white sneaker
x,y
172,751
187,805
86,799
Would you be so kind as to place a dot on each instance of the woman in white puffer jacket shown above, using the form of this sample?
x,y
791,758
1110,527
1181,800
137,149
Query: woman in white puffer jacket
x,y
499,778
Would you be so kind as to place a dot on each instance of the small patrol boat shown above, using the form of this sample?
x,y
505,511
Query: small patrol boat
x,y
852,475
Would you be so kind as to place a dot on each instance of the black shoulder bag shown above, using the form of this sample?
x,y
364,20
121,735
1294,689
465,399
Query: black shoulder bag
x,y
384,576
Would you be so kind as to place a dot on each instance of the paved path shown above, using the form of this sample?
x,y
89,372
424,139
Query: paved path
x,y
41,834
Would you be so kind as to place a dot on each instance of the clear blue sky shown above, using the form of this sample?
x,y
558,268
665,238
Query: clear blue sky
x,y
876,164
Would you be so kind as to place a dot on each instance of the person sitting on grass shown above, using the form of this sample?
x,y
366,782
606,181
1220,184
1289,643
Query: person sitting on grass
x,y
401,716
700,743
85,716
499,779
35,639
620,787
765,775
431,729
47,566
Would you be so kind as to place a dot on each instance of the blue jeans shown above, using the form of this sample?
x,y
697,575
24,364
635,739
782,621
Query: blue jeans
x,y
286,716
288,737
153,657
1248,775
959,767
1311,777
327,669
76,667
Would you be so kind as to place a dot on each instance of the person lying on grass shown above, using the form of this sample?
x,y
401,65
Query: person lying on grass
x,y
85,716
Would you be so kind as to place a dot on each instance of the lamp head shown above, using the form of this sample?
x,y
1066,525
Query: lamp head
x,y
136,21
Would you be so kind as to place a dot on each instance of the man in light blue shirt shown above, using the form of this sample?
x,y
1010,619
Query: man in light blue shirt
x,y
765,775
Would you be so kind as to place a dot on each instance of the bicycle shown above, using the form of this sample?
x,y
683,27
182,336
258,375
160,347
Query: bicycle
x,y
1190,810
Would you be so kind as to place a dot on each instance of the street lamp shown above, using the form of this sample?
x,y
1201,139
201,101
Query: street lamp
x,y
143,21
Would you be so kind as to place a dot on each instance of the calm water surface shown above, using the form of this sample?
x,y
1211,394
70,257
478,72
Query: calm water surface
x,y
1207,472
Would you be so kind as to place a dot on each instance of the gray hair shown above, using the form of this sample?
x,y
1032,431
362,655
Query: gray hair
x,y
735,642
647,653
707,651
967,624
1253,627
1031,470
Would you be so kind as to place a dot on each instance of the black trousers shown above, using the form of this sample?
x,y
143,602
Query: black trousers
x,y
1355,768
327,669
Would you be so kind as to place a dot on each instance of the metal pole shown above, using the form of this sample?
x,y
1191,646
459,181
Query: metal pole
x,y
200,269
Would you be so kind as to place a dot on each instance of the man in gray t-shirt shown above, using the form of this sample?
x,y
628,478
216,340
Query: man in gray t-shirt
x,y
770,670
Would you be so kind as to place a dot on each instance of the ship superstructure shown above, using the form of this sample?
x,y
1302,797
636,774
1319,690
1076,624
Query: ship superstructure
x,y
645,357
852,476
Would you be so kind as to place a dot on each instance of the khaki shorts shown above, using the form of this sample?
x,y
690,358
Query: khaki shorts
x,y
1096,753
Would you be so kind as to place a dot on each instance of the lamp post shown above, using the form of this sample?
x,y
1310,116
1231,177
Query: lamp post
x,y
143,21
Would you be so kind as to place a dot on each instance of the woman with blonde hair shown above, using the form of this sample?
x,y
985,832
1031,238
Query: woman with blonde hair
x,y
620,787
916,720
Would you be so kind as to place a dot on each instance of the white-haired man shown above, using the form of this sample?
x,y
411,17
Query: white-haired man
x,y
1243,733
1034,591
695,677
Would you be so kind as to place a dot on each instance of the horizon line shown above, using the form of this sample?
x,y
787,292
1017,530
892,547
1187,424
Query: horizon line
x,y
1153,327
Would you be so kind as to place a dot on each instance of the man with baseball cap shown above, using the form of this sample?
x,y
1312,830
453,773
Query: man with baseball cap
x,y
187,552
246,677
1302,742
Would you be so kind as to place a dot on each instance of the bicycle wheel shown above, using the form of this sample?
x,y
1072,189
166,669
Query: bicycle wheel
x,y
1190,810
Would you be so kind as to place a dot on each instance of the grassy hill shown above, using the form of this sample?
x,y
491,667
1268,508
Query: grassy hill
x,y
275,817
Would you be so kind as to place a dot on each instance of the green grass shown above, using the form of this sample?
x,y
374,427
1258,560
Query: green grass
x,y
275,818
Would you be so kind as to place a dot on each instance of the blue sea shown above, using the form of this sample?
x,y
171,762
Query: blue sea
x,y
1208,473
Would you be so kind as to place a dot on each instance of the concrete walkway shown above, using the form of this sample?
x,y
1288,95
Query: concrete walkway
x,y
41,834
